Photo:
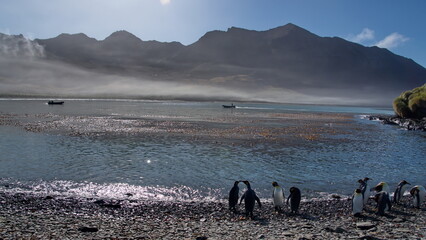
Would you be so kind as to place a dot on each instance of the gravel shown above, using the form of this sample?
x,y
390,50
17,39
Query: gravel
x,y
27,216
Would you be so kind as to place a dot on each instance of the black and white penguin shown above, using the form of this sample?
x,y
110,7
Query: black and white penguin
x,y
357,202
249,200
363,185
419,193
233,196
383,202
294,198
278,196
381,187
399,192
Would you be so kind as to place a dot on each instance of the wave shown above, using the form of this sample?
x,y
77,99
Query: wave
x,y
116,191
122,191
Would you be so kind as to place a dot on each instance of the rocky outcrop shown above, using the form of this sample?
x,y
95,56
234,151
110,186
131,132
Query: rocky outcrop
x,y
406,123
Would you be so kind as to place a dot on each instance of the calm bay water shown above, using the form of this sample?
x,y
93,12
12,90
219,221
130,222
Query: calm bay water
x,y
155,161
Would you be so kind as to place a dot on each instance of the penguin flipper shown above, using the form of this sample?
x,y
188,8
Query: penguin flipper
x,y
258,201
388,201
289,197
418,199
396,195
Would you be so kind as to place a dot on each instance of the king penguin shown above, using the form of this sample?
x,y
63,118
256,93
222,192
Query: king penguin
x,y
381,187
233,197
364,189
419,193
294,198
399,192
278,196
249,200
383,202
357,202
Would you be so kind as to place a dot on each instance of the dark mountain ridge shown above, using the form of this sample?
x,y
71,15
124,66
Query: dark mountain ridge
x,y
287,57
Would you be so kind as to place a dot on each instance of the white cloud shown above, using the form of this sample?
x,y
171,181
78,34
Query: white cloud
x,y
164,2
365,35
392,41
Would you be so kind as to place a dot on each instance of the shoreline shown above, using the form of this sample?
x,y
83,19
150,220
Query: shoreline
x,y
405,123
29,216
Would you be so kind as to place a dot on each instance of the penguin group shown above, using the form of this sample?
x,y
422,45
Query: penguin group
x,y
382,196
250,198
360,197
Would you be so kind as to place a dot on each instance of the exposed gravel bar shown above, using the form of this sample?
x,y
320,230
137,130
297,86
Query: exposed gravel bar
x,y
24,216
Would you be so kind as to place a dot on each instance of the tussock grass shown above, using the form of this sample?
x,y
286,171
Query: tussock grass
x,y
412,103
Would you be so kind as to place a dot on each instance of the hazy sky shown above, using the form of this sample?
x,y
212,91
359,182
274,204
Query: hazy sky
x,y
396,25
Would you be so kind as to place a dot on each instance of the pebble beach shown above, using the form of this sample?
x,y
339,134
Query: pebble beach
x,y
28,216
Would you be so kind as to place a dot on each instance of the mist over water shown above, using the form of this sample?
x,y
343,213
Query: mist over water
x,y
26,71
49,78
161,150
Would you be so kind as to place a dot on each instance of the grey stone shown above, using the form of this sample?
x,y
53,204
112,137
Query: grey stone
x,y
402,230
287,234
398,220
365,225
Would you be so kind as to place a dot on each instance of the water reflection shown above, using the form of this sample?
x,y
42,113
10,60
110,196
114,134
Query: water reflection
x,y
211,149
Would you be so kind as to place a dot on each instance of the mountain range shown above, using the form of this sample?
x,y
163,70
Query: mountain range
x,y
287,58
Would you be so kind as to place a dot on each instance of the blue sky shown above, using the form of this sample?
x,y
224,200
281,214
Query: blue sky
x,y
396,25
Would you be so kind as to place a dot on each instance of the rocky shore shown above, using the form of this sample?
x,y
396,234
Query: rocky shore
x,y
406,123
26,216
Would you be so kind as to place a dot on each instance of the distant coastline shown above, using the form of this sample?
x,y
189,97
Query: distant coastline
x,y
183,99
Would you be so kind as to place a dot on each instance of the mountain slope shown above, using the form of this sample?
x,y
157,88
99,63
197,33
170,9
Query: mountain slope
x,y
286,57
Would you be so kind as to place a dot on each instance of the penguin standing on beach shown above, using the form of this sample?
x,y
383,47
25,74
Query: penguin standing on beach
x,y
278,196
233,196
399,192
382,197
363,185
419,193
357,202
383,202
250,199
294,198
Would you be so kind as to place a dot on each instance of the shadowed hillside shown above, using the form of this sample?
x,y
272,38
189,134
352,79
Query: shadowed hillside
x,y
287,57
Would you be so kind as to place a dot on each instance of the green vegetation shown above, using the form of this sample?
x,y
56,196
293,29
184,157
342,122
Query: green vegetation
x,y
411,104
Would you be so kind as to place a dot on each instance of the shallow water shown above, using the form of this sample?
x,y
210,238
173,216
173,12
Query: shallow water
x,y
196,150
